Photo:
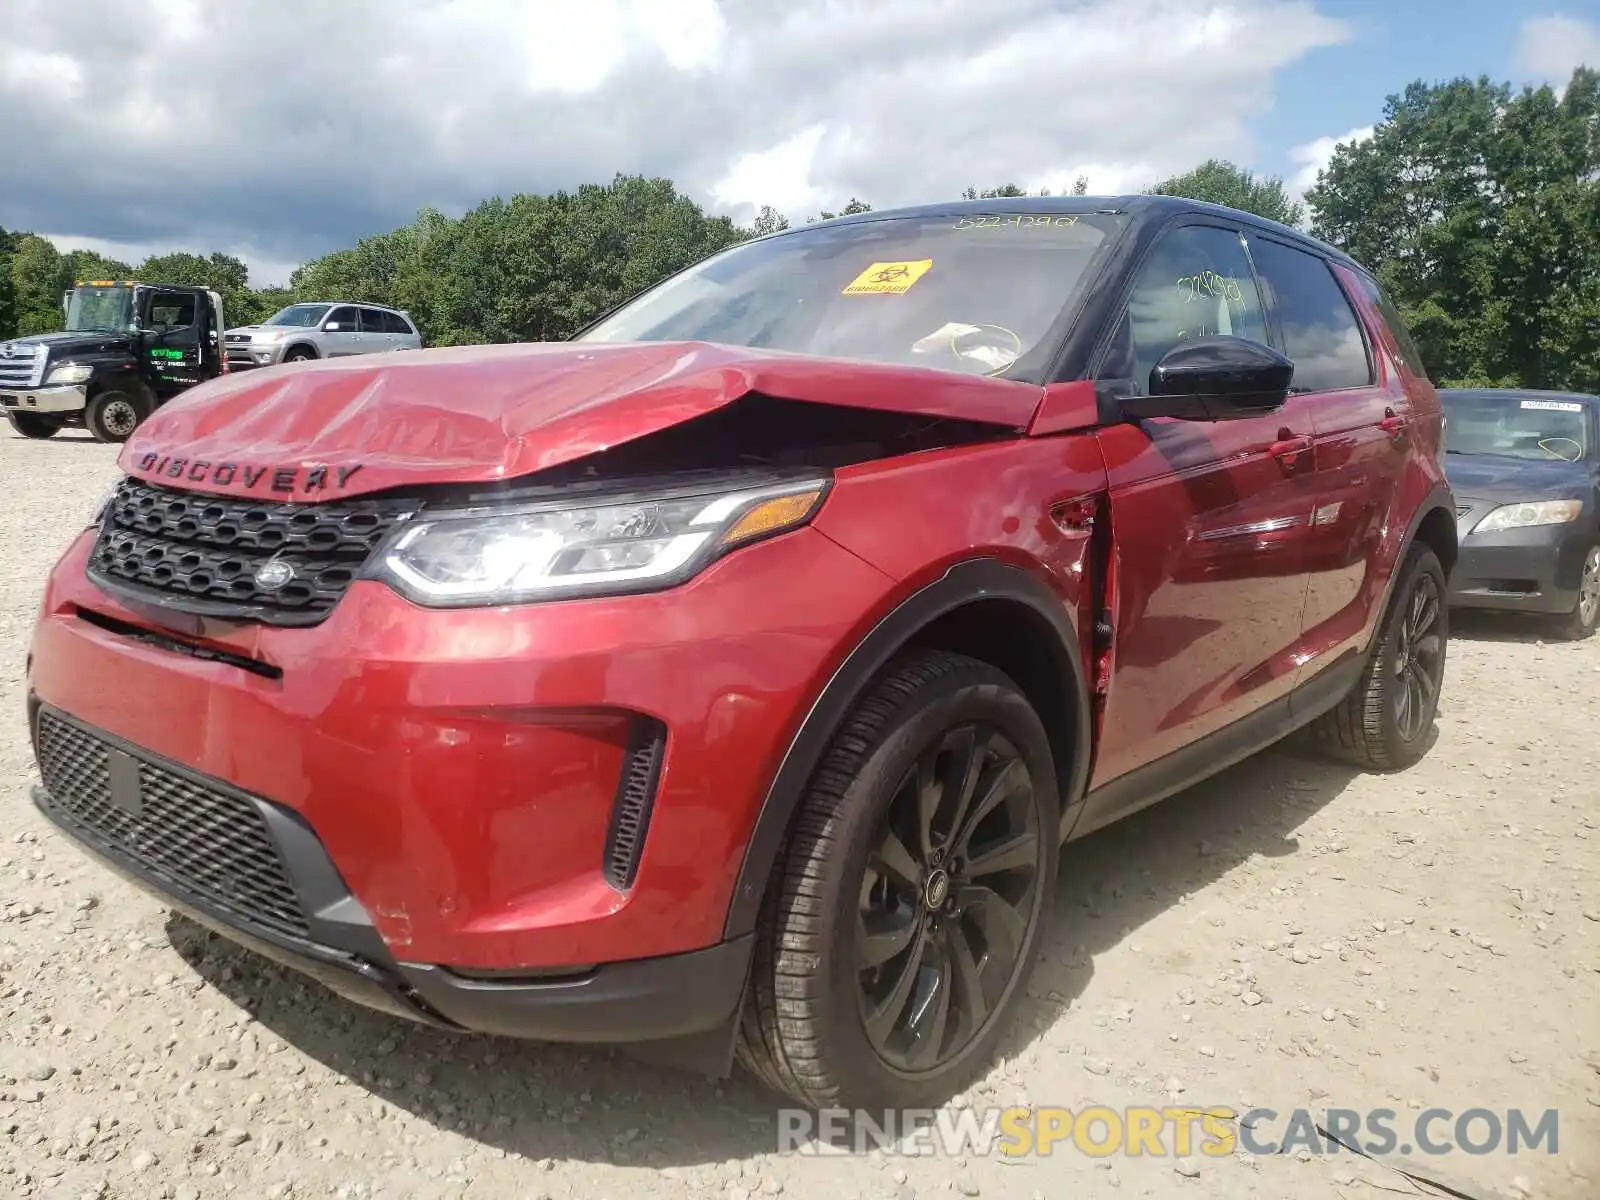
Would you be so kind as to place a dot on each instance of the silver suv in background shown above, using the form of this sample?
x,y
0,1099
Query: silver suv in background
x,y
320,330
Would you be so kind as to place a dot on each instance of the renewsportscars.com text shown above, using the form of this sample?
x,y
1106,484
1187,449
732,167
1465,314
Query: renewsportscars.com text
x,y
1101,1132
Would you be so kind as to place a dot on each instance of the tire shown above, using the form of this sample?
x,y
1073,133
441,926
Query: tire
x,y
1383,724
113,415
1585,615
33,425
300,354
805,1029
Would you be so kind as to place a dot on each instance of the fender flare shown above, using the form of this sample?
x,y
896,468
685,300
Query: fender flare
x,y
1440,498
964,583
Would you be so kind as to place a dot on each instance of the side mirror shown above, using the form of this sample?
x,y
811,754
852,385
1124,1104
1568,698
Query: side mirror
x,y
1217,378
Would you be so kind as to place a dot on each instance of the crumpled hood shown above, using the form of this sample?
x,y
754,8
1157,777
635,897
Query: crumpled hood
x,y
484,413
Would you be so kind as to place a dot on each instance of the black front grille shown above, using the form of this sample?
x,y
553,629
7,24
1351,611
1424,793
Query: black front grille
x,y
202,839
201,553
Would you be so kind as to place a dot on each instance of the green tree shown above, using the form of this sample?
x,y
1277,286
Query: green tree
x,y
1217,181
768,220
83,265
39,277
1479,208
850,209
8,291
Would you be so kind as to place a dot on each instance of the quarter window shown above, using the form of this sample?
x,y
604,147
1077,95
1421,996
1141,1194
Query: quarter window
x,y
1390,312
1321,334
1196,283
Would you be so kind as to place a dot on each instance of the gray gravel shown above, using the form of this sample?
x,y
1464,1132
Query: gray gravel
x,y
1287,934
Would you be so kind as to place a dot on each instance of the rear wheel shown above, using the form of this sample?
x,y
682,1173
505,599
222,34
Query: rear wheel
x,y
907,908
34,425
1580,622
1384,723
112,416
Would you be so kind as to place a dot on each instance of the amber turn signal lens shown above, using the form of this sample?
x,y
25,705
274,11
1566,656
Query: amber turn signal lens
x,y
773,515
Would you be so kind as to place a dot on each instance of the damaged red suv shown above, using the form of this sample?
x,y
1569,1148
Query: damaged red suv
x,y
725,680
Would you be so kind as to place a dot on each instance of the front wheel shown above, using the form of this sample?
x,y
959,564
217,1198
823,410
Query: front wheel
x,y
1385,721
112,416
907,909
34,425
1580,622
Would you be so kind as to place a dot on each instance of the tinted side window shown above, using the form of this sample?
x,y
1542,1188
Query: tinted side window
x,y
1195,283
398,324
1397,326
171,310
374,321
344,318
1321,332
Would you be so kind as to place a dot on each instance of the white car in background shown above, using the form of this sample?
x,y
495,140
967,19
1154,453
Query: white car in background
x,y
320,330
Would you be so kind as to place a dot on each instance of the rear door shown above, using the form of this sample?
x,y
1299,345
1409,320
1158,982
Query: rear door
x,y
1208,521
1361,417
377,331
341,332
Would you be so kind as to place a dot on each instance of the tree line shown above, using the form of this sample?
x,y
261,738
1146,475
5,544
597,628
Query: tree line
x,y
1477,205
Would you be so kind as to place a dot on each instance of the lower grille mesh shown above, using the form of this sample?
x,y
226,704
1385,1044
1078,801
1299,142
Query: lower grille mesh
x,y
636,793
212,843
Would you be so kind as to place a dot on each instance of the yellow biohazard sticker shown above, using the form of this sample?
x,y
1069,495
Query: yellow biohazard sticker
x,y
888,278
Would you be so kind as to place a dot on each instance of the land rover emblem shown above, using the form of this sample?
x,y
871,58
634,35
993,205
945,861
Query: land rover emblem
x,y
273,574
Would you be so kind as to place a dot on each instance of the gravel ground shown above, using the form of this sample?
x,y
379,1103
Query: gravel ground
x,y
1288,934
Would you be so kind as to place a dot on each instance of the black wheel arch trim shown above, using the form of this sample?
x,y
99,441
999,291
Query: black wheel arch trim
x,y
1440,499
967,582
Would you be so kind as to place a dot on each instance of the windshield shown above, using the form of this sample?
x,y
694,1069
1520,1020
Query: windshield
x,y
969,292
100,310
1516,427
302,316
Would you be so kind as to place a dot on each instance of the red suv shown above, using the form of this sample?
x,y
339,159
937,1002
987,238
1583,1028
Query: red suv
x,y
724,681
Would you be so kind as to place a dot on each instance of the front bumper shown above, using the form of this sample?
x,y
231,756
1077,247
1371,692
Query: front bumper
x,y
1533,570
62,398
244,356
464,770
656,1000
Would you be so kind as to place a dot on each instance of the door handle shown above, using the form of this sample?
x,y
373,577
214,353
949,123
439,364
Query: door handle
x,y
1289,447
1393,424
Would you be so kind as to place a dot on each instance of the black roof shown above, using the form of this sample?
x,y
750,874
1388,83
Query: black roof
x,y
1140,206
1520,394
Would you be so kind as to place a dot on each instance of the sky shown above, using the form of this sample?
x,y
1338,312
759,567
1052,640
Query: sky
x,y
280,131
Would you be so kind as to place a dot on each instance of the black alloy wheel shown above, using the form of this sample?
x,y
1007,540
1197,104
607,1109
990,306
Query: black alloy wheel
x,y
949,892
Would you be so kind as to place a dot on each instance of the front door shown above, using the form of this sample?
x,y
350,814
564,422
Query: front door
x,y
341,332
173,342
1208,522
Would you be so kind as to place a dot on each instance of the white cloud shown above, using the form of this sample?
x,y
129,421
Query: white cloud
x,y
1549,49
291,129
779,176
1312,157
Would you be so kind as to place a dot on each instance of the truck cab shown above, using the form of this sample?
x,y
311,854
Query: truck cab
x,y
126,349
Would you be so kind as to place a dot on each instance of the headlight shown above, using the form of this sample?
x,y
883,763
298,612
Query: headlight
x,y
69,373
1521,516
629,543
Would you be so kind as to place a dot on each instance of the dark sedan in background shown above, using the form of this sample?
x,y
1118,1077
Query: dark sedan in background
x,y
1526,475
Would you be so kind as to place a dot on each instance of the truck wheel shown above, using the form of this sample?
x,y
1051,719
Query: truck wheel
x,y
906,910
34,425
1580,622
1383,724
113,415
